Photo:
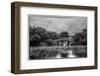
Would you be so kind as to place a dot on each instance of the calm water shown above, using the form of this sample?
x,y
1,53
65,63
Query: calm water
x,y
55,53
69,55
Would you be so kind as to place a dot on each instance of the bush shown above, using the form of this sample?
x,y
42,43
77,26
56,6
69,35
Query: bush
x,y
43,53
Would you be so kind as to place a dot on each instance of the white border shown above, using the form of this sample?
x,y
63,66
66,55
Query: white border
x,y
39,64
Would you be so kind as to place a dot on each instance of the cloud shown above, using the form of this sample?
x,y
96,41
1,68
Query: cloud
x,y
59,24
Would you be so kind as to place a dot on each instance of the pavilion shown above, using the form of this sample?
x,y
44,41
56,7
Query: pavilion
x,y
63,41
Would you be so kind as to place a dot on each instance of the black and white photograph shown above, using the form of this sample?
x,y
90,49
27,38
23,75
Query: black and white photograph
x,y
53,37
57,37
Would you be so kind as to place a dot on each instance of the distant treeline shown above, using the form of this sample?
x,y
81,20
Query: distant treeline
x,y
40,35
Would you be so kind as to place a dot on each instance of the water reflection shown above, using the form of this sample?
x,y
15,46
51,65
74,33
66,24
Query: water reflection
x,y
56,53
68,54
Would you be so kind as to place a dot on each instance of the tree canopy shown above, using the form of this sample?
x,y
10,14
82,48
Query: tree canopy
x,y
40,35
80,38
64,34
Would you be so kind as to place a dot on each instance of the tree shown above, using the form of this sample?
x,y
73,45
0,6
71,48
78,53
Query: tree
x,y
64,34
84,37
41,35
53,35
34,40
36,35
80,38
49,42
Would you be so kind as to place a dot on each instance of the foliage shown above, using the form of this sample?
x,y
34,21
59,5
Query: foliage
x,y
80,38
43,53
49,42
39,35
64,34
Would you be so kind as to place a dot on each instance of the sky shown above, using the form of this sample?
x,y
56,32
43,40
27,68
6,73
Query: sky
x,y
71,24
